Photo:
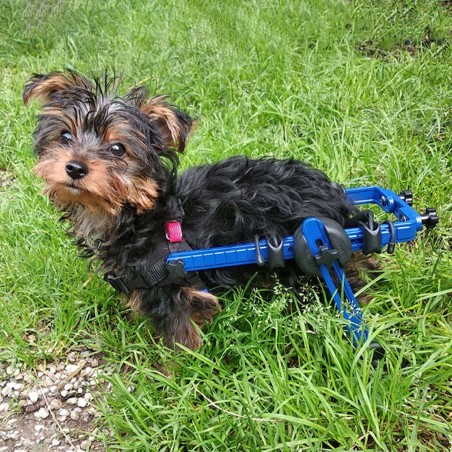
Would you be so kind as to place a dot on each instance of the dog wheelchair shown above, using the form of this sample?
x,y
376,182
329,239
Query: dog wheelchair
x,y
322,248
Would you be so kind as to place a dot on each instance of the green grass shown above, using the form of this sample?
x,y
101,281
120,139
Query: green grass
x,y
330,82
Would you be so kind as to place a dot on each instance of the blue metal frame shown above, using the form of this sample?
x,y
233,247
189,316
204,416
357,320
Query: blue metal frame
x,y
243,254
405,229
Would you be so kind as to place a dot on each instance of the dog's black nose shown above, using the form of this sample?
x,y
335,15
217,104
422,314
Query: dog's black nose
x,y
76,170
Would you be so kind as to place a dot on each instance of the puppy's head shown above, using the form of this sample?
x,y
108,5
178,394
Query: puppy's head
x,y
98,149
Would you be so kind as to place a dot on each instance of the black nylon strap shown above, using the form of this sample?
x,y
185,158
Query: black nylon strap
x,y
155,271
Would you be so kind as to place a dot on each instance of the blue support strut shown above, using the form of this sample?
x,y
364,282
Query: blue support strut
x,y
316,236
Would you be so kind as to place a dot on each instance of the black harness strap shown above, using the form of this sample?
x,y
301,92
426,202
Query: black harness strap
x,y
155,271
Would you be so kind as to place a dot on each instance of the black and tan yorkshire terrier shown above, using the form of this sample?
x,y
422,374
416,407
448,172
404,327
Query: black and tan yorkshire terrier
x,y
109,164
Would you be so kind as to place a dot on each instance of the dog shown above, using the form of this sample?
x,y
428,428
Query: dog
x,y
109,163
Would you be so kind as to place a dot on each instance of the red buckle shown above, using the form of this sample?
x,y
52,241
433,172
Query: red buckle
x,y
173,231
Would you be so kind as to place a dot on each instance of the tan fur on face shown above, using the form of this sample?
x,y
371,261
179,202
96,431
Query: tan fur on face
x,y
143,195
95,191
100,190
118,132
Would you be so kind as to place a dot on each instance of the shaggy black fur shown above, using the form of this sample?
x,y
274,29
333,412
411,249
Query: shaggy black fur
x,y
236,199
120,206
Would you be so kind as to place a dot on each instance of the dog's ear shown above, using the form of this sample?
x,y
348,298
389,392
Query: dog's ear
x,y
43,86
173,125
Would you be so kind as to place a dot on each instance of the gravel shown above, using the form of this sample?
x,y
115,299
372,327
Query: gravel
x,y
51,407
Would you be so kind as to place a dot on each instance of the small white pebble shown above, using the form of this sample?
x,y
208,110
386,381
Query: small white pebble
x,y
68,386
55,404
88,371
18,386
13,435
56,442
23,395
47,381
28,378
71,368
82,402
33,396
42,413
6,391
84,445
75,416
39,427
64,393
72,401
63,412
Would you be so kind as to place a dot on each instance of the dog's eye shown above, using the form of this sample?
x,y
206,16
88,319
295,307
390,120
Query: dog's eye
x,y
117,149
66,137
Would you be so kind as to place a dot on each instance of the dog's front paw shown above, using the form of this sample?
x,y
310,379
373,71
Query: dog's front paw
x,y
198,308
203,305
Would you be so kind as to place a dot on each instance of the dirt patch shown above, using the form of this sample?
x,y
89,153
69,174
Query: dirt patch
x,y
411,46
51,408
6,179
447,5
